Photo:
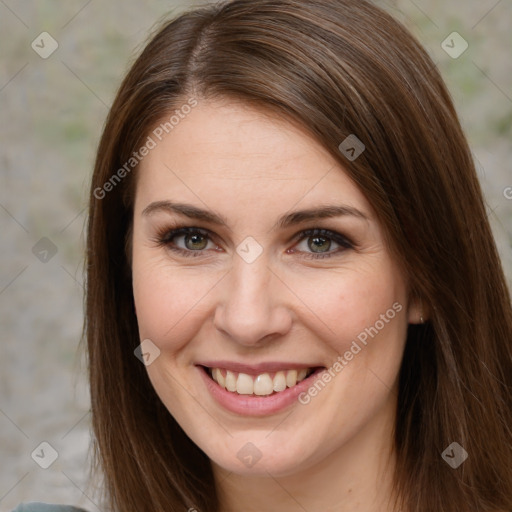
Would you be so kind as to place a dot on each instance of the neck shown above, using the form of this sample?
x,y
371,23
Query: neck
x,y
356,477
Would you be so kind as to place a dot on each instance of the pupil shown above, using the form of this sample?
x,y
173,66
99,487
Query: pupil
x,y
314,246
196,239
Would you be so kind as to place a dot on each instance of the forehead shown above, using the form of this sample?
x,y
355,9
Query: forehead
x,y
230,152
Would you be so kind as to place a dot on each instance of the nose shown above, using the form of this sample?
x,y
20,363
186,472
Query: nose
x,y
252,308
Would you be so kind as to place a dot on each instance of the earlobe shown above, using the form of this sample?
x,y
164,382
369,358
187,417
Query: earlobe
x,y
417,313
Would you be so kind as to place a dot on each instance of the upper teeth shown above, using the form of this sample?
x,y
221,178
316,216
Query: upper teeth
x,y
262,384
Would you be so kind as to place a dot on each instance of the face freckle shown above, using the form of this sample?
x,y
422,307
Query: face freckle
x,y
257,293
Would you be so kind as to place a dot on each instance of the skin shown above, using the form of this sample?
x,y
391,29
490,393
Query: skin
x,y
335,453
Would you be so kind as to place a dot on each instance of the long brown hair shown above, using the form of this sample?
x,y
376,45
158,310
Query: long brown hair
x,y
336,67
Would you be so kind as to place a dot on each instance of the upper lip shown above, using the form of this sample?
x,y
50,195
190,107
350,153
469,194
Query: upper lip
x,y
258,368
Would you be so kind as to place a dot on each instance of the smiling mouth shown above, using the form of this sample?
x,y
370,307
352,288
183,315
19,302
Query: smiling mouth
x,y
264,384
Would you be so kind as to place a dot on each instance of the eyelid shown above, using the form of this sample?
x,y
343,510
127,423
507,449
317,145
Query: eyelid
x,y
169,233
339,238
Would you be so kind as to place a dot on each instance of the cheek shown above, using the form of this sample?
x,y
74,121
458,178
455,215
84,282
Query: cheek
x,y
371,327
346,302
169,300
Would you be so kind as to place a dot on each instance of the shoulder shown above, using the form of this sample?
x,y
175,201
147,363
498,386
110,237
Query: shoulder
x,y
46,507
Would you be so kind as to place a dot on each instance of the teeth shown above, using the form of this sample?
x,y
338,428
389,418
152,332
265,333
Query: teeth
x,y
301,374
244,384
280,381
291,378
230,381
260,385
217,376
263,385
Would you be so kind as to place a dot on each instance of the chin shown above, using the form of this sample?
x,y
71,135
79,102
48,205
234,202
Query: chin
x,y
259,455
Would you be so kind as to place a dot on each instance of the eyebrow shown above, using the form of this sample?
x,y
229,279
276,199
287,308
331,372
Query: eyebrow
x,y
285,221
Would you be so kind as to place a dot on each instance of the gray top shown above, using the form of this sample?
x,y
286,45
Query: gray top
x,y
46,507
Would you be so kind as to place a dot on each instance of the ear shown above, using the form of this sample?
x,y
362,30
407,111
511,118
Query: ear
x,y
417,313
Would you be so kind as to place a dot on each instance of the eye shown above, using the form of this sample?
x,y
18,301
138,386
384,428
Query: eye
x,y
192,242
319,241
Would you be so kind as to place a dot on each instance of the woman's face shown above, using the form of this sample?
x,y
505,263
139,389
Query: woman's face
x,y
246,293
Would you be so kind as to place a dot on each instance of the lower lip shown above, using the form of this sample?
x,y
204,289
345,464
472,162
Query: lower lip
x,y
251,405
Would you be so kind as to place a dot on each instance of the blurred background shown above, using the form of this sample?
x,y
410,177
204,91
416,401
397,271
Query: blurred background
x,y
60,65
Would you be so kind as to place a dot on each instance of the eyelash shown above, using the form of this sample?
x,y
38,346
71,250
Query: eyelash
x,y
165,238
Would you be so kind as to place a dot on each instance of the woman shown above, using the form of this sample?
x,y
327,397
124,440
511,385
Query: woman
x,y
294,300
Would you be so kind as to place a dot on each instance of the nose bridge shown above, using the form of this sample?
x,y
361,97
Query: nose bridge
x,y
252,282
250,309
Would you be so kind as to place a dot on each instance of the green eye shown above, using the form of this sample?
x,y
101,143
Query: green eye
x,y
195,241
